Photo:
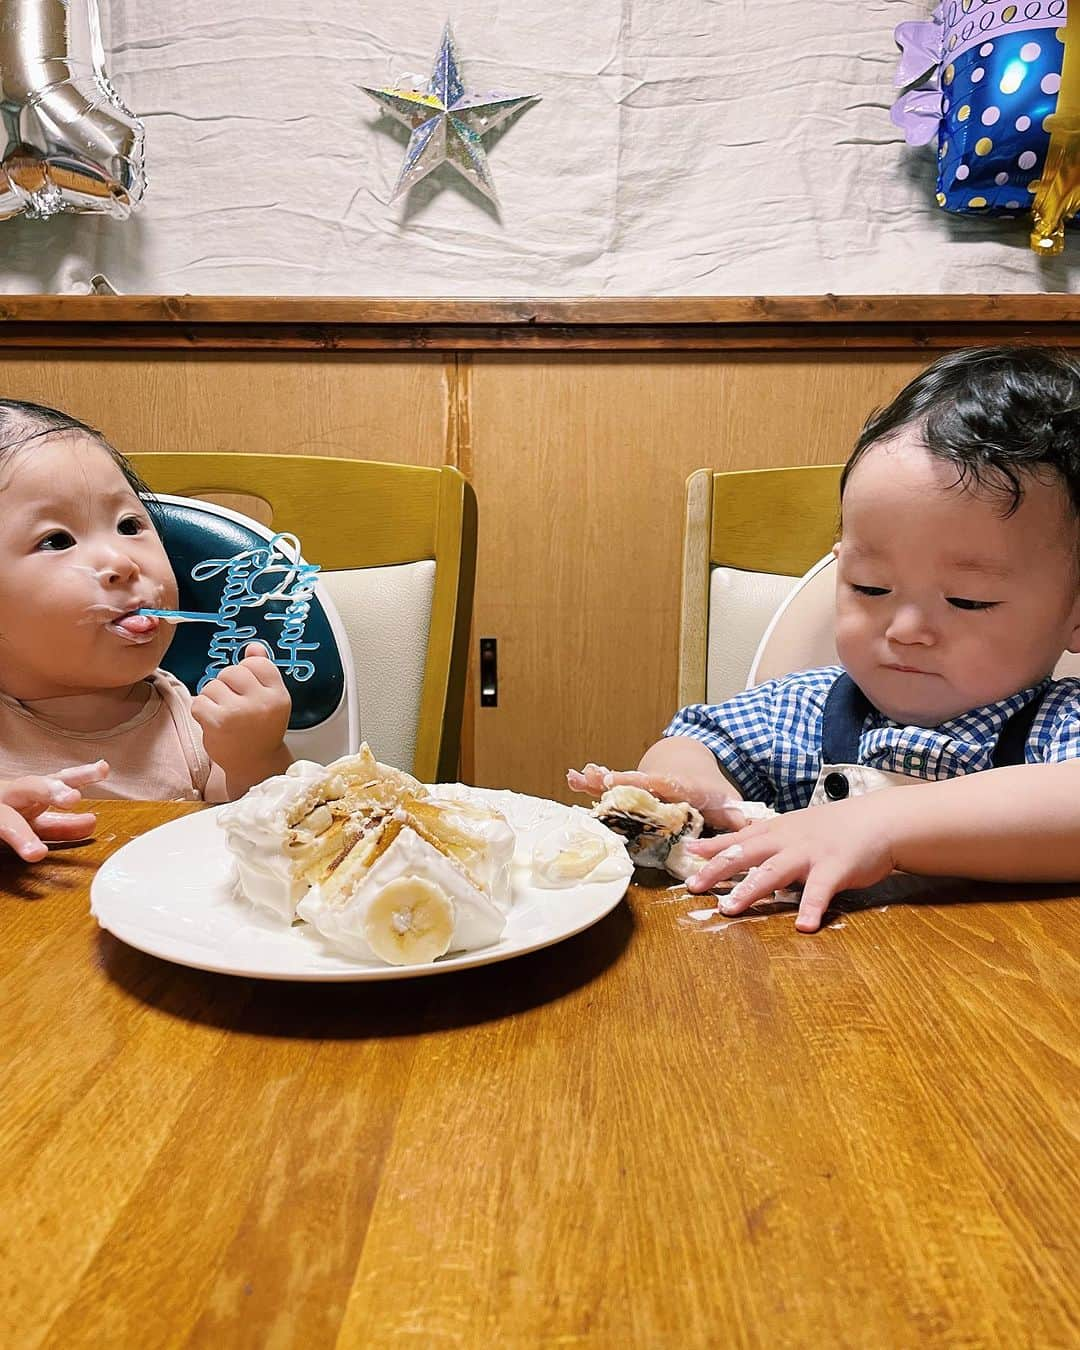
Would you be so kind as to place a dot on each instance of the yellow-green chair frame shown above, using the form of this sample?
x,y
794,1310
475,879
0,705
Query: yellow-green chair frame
x,y
766,527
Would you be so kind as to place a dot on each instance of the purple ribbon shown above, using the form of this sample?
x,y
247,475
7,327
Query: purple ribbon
x,y
918,111
918,114
920,50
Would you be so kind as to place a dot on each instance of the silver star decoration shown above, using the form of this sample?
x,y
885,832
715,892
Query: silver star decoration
x,y
447,123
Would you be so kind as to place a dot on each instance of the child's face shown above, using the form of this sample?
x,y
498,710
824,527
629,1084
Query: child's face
x,y
77,554
944,605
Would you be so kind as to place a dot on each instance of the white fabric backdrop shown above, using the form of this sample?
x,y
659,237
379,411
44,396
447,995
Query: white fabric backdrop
x,y
682,147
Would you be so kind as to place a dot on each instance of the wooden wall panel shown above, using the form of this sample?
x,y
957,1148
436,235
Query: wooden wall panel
x,y
579,465
366,407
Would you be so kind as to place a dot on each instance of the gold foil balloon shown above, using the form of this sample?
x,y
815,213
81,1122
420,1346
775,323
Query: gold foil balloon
x,y
68,142
1058,194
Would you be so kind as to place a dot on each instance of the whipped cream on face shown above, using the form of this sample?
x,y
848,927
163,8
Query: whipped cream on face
x,y
135,627
131,623
348,921
101,574
126,623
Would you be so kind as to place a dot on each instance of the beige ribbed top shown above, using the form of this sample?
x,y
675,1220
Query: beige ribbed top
x,y
156,755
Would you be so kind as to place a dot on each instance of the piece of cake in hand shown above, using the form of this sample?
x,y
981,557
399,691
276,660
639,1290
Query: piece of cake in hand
x,y
652,828
656,832
373,860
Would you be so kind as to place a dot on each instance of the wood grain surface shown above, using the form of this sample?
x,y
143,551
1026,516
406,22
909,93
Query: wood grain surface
x,y
193,323
658,1133
378,407
579,465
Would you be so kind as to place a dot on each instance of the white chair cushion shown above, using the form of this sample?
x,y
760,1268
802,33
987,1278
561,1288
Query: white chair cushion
x,y
386,613
1068,665
800,636
740,607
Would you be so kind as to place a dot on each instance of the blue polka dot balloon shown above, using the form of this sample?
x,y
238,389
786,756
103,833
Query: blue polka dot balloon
x,y
983,75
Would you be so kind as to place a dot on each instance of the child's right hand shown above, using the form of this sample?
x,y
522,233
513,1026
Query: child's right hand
x,y
244,713
713,797
34,808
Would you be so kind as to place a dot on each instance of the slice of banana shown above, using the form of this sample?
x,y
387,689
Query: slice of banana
x,y
566,857
410,922
574,854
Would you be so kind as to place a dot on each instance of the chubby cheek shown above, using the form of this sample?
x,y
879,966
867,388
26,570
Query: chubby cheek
x,y
165,581
993,666
853,635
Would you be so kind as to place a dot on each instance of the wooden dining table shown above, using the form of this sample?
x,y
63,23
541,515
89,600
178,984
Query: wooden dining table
x,y
667,1130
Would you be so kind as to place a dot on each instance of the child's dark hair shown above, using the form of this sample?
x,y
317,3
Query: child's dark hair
x,y
23,423
996,414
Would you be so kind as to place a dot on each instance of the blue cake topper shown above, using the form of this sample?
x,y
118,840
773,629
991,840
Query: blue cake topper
x,y
254,578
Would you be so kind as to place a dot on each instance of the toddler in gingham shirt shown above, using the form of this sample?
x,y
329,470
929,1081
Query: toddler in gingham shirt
x,y
958,589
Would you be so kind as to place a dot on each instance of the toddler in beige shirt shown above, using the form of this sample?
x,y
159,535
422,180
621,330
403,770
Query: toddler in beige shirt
x,y
80,676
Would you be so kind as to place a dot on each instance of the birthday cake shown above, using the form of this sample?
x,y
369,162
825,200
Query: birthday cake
x,y
381,866
658,833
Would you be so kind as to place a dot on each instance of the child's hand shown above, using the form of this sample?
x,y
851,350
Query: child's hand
x,y
26,819
828,848
244,714
590,780
712,795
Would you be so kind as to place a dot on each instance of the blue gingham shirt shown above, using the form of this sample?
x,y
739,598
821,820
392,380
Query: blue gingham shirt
x,y
767,740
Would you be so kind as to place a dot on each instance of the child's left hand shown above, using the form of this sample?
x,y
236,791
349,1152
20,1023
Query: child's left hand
x,y
828,848
244,714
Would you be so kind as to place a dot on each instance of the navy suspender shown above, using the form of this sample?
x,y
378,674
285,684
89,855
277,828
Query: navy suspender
x,y
847,708
1013,739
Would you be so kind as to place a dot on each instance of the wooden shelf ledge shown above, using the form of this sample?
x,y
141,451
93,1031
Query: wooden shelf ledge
x,y
336,323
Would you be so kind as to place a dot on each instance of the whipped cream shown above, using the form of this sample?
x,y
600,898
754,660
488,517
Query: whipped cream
x,y
257,831
443,877
496,840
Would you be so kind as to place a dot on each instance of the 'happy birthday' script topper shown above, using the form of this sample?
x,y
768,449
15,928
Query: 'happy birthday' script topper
x,y
255,579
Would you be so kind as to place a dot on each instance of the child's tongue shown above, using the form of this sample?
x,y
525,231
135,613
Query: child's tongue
x,y
138,623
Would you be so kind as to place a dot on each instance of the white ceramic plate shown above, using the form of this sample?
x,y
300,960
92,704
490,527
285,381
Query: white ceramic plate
x,y
170,893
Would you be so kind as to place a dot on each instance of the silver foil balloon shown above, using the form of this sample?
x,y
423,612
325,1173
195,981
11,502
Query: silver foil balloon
x,y
447,122
69,143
